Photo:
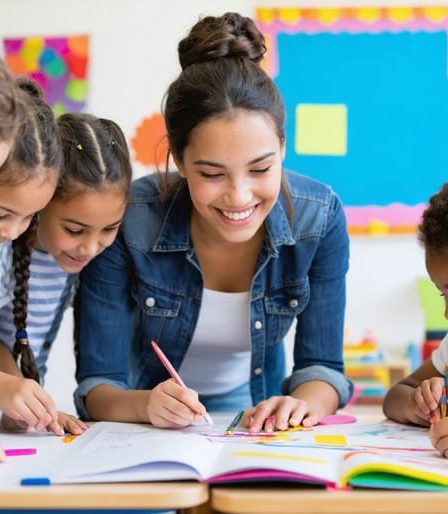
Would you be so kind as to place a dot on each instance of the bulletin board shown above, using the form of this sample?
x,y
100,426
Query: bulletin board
x,y
366,96
58,64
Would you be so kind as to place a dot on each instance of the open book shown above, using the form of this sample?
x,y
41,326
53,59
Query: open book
x,y
120,452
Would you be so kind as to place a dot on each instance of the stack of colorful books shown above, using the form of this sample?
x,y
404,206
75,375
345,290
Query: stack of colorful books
x,y
366,367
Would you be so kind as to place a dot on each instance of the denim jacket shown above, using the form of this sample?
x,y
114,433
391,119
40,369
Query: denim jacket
x,y
148,286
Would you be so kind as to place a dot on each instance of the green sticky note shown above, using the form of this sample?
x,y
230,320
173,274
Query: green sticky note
x,y
321,129
76,90
433,305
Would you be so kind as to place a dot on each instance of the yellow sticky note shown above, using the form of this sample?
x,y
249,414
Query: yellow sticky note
x,y
321,129
337,440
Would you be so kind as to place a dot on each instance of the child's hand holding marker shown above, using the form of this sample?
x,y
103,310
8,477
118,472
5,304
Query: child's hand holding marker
x,y
426,398
439,422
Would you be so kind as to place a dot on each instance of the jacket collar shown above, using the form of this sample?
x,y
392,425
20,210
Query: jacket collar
x,y
174,235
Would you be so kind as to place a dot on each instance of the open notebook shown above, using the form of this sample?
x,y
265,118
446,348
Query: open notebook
x,y
382,455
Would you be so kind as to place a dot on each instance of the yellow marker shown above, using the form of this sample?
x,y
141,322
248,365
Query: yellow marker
x,y
336,440
69,438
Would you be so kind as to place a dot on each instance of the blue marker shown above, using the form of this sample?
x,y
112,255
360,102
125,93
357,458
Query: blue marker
x,y
35,481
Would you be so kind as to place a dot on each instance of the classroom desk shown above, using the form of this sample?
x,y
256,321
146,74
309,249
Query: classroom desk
x,y
181,496
260,500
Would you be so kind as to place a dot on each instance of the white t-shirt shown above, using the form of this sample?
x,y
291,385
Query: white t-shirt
x,y
439,356
218,359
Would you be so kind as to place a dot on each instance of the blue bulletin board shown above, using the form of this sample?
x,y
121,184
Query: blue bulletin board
x,y
366,95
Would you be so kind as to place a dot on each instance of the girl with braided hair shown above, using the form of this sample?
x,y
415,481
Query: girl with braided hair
x,y
416,398
216,264
80,221
30,158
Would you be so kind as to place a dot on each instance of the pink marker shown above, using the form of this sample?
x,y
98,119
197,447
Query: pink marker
x,y
174,374
18,452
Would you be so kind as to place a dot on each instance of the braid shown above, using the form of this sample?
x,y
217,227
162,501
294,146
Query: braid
x,y
21,265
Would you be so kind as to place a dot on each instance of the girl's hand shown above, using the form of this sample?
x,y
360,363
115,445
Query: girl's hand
x,y
171,405
25,405
279,413
2,454
426,397
439,436
71,424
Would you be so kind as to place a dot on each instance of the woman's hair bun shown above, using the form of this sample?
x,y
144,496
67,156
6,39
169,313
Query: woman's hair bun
x,y
229,35
29,87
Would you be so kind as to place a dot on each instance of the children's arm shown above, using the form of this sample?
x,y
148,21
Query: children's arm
x,y
167,405
310,402
412,399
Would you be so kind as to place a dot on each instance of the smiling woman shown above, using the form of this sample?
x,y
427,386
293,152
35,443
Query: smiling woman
x,y
216,261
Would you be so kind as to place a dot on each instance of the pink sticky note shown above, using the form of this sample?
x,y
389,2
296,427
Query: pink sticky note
x,y
337,419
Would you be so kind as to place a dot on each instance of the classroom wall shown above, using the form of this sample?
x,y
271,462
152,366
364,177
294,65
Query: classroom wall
x,y
133,59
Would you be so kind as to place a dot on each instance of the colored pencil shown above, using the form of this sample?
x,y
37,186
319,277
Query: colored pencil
x,y
234,423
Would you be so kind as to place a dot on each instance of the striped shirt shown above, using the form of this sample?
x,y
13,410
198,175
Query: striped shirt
x,y
47,284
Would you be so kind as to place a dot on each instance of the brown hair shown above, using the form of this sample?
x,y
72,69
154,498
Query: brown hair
x,y
36,151
221,72
9,108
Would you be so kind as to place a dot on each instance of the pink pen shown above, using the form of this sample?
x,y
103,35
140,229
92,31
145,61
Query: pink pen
x,y
174,374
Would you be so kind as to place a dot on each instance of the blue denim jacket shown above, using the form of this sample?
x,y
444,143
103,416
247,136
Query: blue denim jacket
x,y
148,286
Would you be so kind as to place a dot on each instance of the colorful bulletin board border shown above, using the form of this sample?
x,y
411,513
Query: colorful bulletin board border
x,y
58,64
366,95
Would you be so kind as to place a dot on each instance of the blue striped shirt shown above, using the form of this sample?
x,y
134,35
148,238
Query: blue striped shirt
x,y
47,284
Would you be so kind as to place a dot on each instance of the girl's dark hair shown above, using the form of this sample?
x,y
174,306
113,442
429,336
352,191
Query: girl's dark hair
x,y
220,73
9,108
96,157
36,150
433,230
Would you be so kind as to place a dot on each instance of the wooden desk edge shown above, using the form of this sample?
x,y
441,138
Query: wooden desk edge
x,y
287,501
159,495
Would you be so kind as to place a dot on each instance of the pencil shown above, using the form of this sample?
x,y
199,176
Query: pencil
x,y
234,423
174,374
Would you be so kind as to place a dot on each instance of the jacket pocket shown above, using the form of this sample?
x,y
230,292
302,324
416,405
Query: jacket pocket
x,y
156,307
283,305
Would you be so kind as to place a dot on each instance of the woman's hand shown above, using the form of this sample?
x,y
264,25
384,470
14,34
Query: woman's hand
x,y
171,405
279,413
25,405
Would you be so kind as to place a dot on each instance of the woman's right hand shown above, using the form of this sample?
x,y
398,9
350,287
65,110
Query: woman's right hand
x,y
170,405
25,405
